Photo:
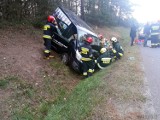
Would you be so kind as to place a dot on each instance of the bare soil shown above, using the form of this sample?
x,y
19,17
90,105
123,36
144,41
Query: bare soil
x,y
21,55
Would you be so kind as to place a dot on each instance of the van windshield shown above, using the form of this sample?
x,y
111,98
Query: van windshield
x,y
83,34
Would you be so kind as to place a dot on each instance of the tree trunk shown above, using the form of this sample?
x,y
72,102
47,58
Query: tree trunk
x,y
82,9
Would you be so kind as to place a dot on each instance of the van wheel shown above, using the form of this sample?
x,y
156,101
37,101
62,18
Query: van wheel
x,y
65,58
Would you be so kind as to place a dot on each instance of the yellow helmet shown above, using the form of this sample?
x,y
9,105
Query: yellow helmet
x,y
103,50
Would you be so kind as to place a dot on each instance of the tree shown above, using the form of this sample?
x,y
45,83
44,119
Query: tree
x,y
100,12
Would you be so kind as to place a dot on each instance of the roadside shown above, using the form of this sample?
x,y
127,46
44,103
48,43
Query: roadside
x,y
116,93
123,86
33,88
151,63
28,81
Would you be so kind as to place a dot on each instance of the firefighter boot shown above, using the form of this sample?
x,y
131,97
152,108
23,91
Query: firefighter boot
x,y
46,54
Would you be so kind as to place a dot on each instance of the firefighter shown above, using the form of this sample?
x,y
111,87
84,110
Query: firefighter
x,y
104,59
48,33
112,52
154,33
87,57
102,40
116,46
133,33
146,32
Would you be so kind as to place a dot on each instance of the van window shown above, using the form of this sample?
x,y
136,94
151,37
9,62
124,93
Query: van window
x,y
82,35
74,36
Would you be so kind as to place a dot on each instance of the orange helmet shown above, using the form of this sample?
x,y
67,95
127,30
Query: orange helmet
x,y
50,18
89,39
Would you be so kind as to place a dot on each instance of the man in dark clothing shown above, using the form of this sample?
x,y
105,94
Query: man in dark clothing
x,y
155,31
146,32
87,57
133,34
104,59
116,46
48,33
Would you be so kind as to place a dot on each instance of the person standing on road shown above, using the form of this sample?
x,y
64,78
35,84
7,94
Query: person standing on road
x,y
155,32
48,33
146,32
133,33
87,57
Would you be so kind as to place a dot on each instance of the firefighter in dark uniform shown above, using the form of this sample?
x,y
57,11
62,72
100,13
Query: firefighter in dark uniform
x,y
117,47
146,32
104,59
48,33
133,33
113,53
87,57
154,33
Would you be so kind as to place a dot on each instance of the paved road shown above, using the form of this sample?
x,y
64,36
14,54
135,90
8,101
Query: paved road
x,y
151,63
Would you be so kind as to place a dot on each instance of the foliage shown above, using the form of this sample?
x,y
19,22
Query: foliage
x,y
100,12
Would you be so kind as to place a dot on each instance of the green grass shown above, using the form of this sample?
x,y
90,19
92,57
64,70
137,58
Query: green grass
x,y
59,98
78,104
5,81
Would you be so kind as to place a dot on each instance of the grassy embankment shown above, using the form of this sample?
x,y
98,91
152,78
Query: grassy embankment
x,y
109,94
114,93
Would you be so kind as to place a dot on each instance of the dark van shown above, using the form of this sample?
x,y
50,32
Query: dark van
x,y
73,32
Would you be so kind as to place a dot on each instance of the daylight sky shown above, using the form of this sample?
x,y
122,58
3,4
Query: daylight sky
x,y
146,10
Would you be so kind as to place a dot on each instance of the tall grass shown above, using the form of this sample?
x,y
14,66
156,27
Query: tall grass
x,y
78,104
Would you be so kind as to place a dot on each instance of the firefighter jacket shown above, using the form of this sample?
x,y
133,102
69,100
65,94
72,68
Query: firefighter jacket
x,y
155,29
103,60
86,52
113,53
117,51
117,47
48,30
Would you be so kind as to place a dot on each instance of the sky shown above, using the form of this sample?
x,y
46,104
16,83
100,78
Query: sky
x,y
146,10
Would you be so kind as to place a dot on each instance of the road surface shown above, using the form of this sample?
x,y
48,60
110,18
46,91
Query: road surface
x,y
151,64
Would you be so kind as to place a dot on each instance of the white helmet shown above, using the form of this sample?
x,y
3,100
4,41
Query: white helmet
x,y
103,50
114,39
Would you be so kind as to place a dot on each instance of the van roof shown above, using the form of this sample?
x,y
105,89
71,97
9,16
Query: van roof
x,y
77,21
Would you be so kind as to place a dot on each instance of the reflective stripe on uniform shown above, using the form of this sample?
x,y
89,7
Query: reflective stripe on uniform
x,y
90,71
85,73
85,59
121,48
100,66
155,27
47,36
114,51
46,27
84,50
106,60
114,57
120,54
46,51
154,33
